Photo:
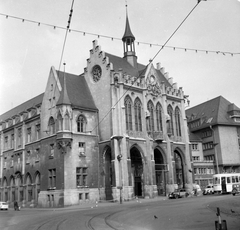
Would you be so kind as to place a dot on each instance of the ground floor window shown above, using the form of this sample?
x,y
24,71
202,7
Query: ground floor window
x,y
81,176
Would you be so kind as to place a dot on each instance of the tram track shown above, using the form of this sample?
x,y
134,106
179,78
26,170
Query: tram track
x,y
101,220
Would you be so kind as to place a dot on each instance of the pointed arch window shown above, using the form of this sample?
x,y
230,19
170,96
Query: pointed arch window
x,y
51,125
150,107
178,122
159,117
59,122
138,114
81,124
66,122
170,123
128,112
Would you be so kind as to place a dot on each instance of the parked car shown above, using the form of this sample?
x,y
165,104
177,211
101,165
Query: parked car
x,y
178,193
3,206
235,189
208,190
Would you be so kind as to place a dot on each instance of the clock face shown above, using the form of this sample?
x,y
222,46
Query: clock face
x,y
96,73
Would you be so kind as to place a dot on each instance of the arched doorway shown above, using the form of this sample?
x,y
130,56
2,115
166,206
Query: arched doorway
x,y
179,170
137,171
37,187
108,174
160,171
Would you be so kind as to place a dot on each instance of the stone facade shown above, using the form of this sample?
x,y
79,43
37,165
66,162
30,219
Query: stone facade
x,y
116,132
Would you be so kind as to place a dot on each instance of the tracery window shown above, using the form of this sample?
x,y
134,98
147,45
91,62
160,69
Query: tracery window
x,y
138,114
51,125
128,112
170,123
59,122
178,122
150,107
159,117
66,122
81,124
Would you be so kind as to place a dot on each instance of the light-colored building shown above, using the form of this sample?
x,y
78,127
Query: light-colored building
x,y
215,138
115,132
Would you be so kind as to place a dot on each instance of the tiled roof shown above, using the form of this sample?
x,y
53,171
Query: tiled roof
x,y
23,107
162,78
121,63
77,91
193,137
211,112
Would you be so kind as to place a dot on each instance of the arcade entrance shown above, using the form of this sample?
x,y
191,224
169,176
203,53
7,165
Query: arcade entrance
x,y
160,170
137,171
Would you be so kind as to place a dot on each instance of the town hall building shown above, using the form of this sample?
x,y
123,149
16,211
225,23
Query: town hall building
x,y
115,132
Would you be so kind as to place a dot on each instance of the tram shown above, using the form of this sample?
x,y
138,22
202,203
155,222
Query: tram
x,y
222,183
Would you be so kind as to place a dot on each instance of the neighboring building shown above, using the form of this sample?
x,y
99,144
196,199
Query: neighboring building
x,y
117,131
203,169
214,125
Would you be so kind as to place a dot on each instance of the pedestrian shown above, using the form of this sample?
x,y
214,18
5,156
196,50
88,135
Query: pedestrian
x,y
16,207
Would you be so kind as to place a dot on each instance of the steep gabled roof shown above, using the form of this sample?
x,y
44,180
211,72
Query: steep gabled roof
x,y
22,107
121,63
77,91
212,112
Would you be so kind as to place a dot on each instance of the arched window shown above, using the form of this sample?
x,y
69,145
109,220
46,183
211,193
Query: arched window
x,y
59,122
170,123
29,193
5,189
138,114
159,117
177,122
51,125
81,124
12,189
128,112
66,122
150,107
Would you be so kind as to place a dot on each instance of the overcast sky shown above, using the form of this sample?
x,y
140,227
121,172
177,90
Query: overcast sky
x,y
28,50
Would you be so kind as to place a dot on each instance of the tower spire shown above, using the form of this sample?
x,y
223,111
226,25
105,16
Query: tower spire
x,y
128,43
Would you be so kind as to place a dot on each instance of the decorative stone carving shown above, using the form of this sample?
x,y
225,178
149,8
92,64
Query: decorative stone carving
x,y
153,87
63,145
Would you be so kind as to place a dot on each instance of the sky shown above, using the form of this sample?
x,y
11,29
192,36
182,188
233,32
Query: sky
x,y
28,50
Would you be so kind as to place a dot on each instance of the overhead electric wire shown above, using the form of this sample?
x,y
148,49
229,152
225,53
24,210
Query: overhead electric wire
x,y
68,27
119,39
146,66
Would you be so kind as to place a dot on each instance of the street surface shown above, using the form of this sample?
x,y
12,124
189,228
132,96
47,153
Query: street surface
x,y
193,213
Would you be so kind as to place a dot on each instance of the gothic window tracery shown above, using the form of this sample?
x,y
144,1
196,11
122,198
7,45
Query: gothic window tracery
x,y
178,122
150,107
159,117
138,114
170,123
81,124
128,112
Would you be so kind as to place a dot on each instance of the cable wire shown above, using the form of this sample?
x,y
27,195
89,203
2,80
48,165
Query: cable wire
x,y
119,39
146,66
